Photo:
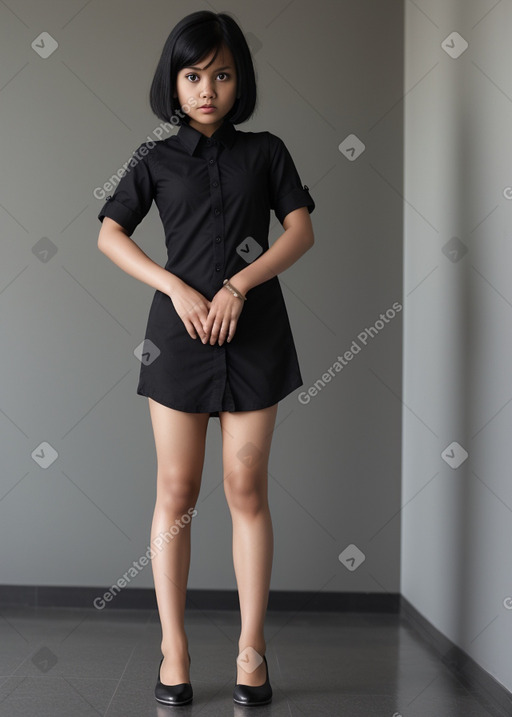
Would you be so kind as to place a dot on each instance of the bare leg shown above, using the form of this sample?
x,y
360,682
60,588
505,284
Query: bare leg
x,y
246,442
180,446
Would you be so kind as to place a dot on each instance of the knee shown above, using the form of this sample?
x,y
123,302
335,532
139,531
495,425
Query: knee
x,y
177,489
246,489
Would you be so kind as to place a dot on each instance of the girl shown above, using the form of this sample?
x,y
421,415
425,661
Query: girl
x,y
218,339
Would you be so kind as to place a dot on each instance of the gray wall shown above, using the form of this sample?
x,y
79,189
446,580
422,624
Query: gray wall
x,y
456,521
71,320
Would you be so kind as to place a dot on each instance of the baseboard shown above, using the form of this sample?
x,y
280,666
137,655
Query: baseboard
x,y
144,599
482,686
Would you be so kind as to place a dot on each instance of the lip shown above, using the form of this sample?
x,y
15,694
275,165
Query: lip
x,y
208,108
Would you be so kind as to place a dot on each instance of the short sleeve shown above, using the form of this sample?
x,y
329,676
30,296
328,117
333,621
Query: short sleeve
x,y
134,194
286,190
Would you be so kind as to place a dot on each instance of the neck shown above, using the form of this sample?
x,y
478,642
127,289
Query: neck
x,y
207,130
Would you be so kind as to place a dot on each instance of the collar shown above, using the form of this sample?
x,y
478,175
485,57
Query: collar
x,y
190,137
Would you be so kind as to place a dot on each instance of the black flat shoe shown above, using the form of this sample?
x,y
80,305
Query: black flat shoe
x,y
249,695
173,694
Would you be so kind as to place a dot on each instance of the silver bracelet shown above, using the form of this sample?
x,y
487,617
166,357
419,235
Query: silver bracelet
x,y
232,289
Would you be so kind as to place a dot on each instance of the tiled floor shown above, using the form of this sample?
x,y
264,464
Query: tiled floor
x,y
80,663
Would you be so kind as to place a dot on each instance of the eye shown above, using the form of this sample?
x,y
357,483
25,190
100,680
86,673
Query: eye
x,y
224,75
192,74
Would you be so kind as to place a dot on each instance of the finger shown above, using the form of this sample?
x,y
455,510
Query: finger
x,y
216,329
214,333
207,324
194,326
201,334
232,329
199,320
190,329
203,313
224,332
198,326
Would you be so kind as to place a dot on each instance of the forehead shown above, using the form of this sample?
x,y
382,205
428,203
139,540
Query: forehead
x,y
224,57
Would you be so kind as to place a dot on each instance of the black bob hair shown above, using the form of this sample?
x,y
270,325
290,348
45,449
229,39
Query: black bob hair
x,y
191,40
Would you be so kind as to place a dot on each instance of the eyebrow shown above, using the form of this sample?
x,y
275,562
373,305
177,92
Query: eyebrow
x,y
217,69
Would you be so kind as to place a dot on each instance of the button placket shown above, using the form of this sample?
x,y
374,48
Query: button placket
x,y
218,214
217,247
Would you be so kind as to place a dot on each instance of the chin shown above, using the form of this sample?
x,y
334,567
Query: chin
x,y
210,119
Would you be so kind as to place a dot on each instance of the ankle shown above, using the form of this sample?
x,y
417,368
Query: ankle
x,y
174,645
257,644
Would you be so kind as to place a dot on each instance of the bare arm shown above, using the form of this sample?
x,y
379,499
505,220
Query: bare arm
x,y
297,238
225,309
191,306
123,251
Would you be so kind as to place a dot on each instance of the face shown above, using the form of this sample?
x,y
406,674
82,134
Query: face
x,y
213,88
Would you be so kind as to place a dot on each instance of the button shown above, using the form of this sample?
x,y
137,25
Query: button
x,y
218,239
216,212
211,161
215,184
217,267
208,141
306,187
109,197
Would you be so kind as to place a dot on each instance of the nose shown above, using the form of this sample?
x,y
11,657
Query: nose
x,y
207,90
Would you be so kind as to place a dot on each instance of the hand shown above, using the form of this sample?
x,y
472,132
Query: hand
x,y
192,308
225,308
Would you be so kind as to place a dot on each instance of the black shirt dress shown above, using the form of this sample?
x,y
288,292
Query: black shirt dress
x,y
214,196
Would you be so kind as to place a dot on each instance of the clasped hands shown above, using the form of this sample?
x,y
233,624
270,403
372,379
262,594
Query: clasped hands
x,y
211,321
